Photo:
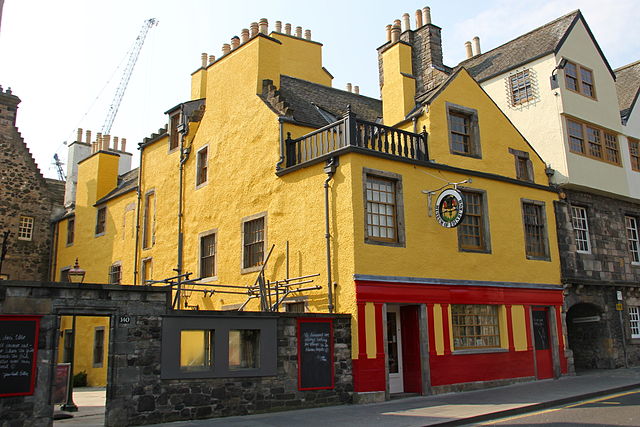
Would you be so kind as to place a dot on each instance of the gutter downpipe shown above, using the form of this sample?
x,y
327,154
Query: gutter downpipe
x,y
330,170
139,202
184,155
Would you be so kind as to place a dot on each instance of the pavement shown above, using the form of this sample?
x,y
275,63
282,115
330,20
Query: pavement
x,y
450,409
90,402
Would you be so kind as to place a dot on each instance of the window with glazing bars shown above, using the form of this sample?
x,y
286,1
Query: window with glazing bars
x,y
579,79
634,154
534,228
253,242
581,228
174,138
634,321
632,238
521,90
202,165
460,133
471,230
207,255
576,136
25,228
115,274
381,209
475,326
600,144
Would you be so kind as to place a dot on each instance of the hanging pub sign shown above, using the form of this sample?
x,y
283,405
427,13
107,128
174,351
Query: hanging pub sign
x,y
450,208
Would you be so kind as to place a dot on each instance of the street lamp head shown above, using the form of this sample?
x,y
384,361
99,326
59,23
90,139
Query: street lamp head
x,y
76,274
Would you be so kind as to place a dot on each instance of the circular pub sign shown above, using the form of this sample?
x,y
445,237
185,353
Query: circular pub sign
x,y
450,208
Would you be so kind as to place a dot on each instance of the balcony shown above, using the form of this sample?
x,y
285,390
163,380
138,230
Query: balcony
x,y
350,134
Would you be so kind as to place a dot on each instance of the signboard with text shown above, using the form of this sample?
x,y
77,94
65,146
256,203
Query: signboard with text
x,y
18,354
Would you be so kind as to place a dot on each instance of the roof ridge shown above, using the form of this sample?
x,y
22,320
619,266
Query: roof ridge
x,y
331,88
627,66
574,12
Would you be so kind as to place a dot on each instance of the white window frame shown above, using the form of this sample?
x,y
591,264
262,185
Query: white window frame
x,y
580,223
25,228
634,321
633,239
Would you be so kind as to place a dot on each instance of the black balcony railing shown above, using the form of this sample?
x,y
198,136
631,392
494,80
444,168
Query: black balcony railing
x,y
352,132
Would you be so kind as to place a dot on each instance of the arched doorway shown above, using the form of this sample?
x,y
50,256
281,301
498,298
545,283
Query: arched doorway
x,y
588,337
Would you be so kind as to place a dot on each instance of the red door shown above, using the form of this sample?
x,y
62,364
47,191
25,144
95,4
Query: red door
x,y
544,359
411,369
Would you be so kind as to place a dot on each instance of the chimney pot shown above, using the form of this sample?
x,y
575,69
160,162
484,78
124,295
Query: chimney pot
x,y
79,137
299,32
106,140
263,26
287,29
397,22
356,90
418,18
406,25
203,57
94,147
307,34
476,46
99,140
226,48
278,26
244,35
426,15
467,48
348,87
254,29
123,145
212,59
388,30
395,33
235,42
88,133
115,143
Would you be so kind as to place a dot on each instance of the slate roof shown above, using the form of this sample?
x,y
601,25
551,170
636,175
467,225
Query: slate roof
x,y
126,182
532,45
628,88
303,97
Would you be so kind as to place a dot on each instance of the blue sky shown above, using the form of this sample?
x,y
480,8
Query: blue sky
x,y
61,57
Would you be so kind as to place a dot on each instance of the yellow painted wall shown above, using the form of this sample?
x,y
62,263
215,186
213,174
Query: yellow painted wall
x,y
399,90
519,327
438,329
83,354
370,317
301,58
199,84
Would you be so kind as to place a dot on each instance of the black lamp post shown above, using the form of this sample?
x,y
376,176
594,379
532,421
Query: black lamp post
x,y
76,275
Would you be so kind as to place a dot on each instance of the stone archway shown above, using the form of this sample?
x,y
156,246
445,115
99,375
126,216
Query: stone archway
x,y
588,337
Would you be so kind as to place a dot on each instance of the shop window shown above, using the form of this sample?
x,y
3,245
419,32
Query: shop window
x,y
149,220
101,221
98,347
244,348
473,231
208,255
634,321
464,134
579,79
253,242
475,326
196,349
71,225
202,164
633,241
535,230
115,274
634,154
174,136
581,228
25,228
384,223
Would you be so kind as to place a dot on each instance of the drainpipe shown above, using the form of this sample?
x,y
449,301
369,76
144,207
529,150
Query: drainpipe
x,y
282,145
330,170
184,156
139,202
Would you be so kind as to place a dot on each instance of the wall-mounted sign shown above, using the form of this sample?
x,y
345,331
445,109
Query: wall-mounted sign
x,y
450,208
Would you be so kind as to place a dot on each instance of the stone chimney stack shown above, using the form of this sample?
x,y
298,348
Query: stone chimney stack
x,y
467,49
476,46
9,113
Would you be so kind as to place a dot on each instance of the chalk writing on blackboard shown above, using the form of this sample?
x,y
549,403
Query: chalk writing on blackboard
x,y
18,341
315,355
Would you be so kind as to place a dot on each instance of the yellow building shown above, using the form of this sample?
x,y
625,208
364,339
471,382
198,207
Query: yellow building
x,y
440,239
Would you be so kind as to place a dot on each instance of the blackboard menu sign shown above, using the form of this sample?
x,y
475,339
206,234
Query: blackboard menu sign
x,y
18,354
315,354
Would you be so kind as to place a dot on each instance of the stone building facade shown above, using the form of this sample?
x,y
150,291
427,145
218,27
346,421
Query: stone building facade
x,y
27,201
601,279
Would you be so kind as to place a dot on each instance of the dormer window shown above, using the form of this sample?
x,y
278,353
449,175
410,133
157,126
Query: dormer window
x,y
579,79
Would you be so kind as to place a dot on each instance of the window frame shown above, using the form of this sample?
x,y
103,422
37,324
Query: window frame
x,y
634,321
634,153
98,363
603,142
475,148
633,242
115,268
143,270
174,135
526,76
396,178
546,256
584,219
101,221
520,156
149,220
26,226
71,227
463,326
250,269
484,227
202,167
579,81
201,236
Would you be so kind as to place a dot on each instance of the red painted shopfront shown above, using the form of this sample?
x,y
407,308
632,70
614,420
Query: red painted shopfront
x,y
425,347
